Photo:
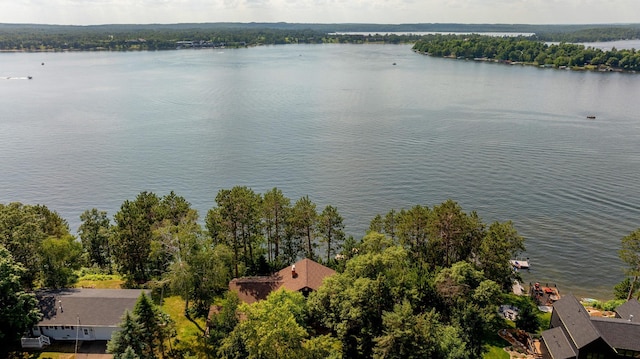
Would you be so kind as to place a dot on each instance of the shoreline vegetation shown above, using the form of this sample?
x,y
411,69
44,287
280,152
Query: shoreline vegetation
x,y
521,50
545,46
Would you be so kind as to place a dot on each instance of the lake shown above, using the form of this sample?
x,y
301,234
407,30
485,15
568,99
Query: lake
x,y
345,126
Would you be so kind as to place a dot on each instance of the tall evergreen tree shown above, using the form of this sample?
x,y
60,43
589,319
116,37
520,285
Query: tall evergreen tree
x,y
303,222
275,211
331,229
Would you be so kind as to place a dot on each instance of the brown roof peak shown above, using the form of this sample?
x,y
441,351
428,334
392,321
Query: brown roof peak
x,y
305,274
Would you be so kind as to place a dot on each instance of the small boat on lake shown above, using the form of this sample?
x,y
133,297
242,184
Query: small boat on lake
x,y
591,117
29,77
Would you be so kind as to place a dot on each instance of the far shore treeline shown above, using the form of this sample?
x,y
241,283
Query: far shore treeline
x,y
423,282
135,37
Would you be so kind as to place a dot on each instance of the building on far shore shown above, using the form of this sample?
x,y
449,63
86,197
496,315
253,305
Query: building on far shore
x,y
575,334
304,276
80,314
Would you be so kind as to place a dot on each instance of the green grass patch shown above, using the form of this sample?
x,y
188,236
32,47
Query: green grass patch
x,y
545,321
188,335
495,353
102,281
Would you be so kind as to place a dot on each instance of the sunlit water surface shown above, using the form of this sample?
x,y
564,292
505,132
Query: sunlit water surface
x,y
344,125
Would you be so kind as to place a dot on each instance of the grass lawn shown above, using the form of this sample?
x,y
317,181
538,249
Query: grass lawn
x,y
495,353
189,336
102,281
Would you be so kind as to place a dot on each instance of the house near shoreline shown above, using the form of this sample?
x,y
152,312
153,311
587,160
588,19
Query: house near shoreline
x,y
575,334
80,314
303,276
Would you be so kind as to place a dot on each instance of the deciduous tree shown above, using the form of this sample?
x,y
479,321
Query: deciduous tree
x,y
131,242
500,244
94,233
273,328
60,257
630,255
18,309
22,235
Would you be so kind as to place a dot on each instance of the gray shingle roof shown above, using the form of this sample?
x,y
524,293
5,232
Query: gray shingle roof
x,y
628,308
98,307
619,333
576,321
558,344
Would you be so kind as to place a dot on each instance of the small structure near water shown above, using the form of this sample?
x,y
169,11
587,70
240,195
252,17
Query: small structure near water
x,y
519,263
544,296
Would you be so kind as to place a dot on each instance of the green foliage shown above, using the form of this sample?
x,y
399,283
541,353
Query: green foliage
x,y
382,303
623,289
273,328
351,303
525,49
609,305
545,321
18,310
126,339
38,238
94,233
132,236
303,223
331,229
410,335
200,273
500,243
595,34
528,316
98,277
630,255
21,233
60,257
236,223
144,332
224,320
275,211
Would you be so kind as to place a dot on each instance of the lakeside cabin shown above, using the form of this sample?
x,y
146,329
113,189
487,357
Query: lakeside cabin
x,y
80,314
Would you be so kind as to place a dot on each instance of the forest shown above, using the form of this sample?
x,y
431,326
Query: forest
x,y
422,282
528,50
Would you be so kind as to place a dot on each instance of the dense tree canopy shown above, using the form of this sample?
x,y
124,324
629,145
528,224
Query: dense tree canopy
x,y
630,255
423,282
527,50
18,309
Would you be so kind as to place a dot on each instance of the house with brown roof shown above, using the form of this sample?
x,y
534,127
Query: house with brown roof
x,y
303,276
575,334
82,314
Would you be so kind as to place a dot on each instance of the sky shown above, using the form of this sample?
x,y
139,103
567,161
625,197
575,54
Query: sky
x,y
93,12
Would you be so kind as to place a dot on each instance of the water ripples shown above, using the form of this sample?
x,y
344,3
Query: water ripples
x,y
342,125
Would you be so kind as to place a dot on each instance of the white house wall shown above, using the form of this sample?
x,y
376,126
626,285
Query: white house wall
x,y
104,333
59,332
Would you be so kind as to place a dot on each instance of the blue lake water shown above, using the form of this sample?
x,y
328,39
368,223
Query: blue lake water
x,y
345,126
